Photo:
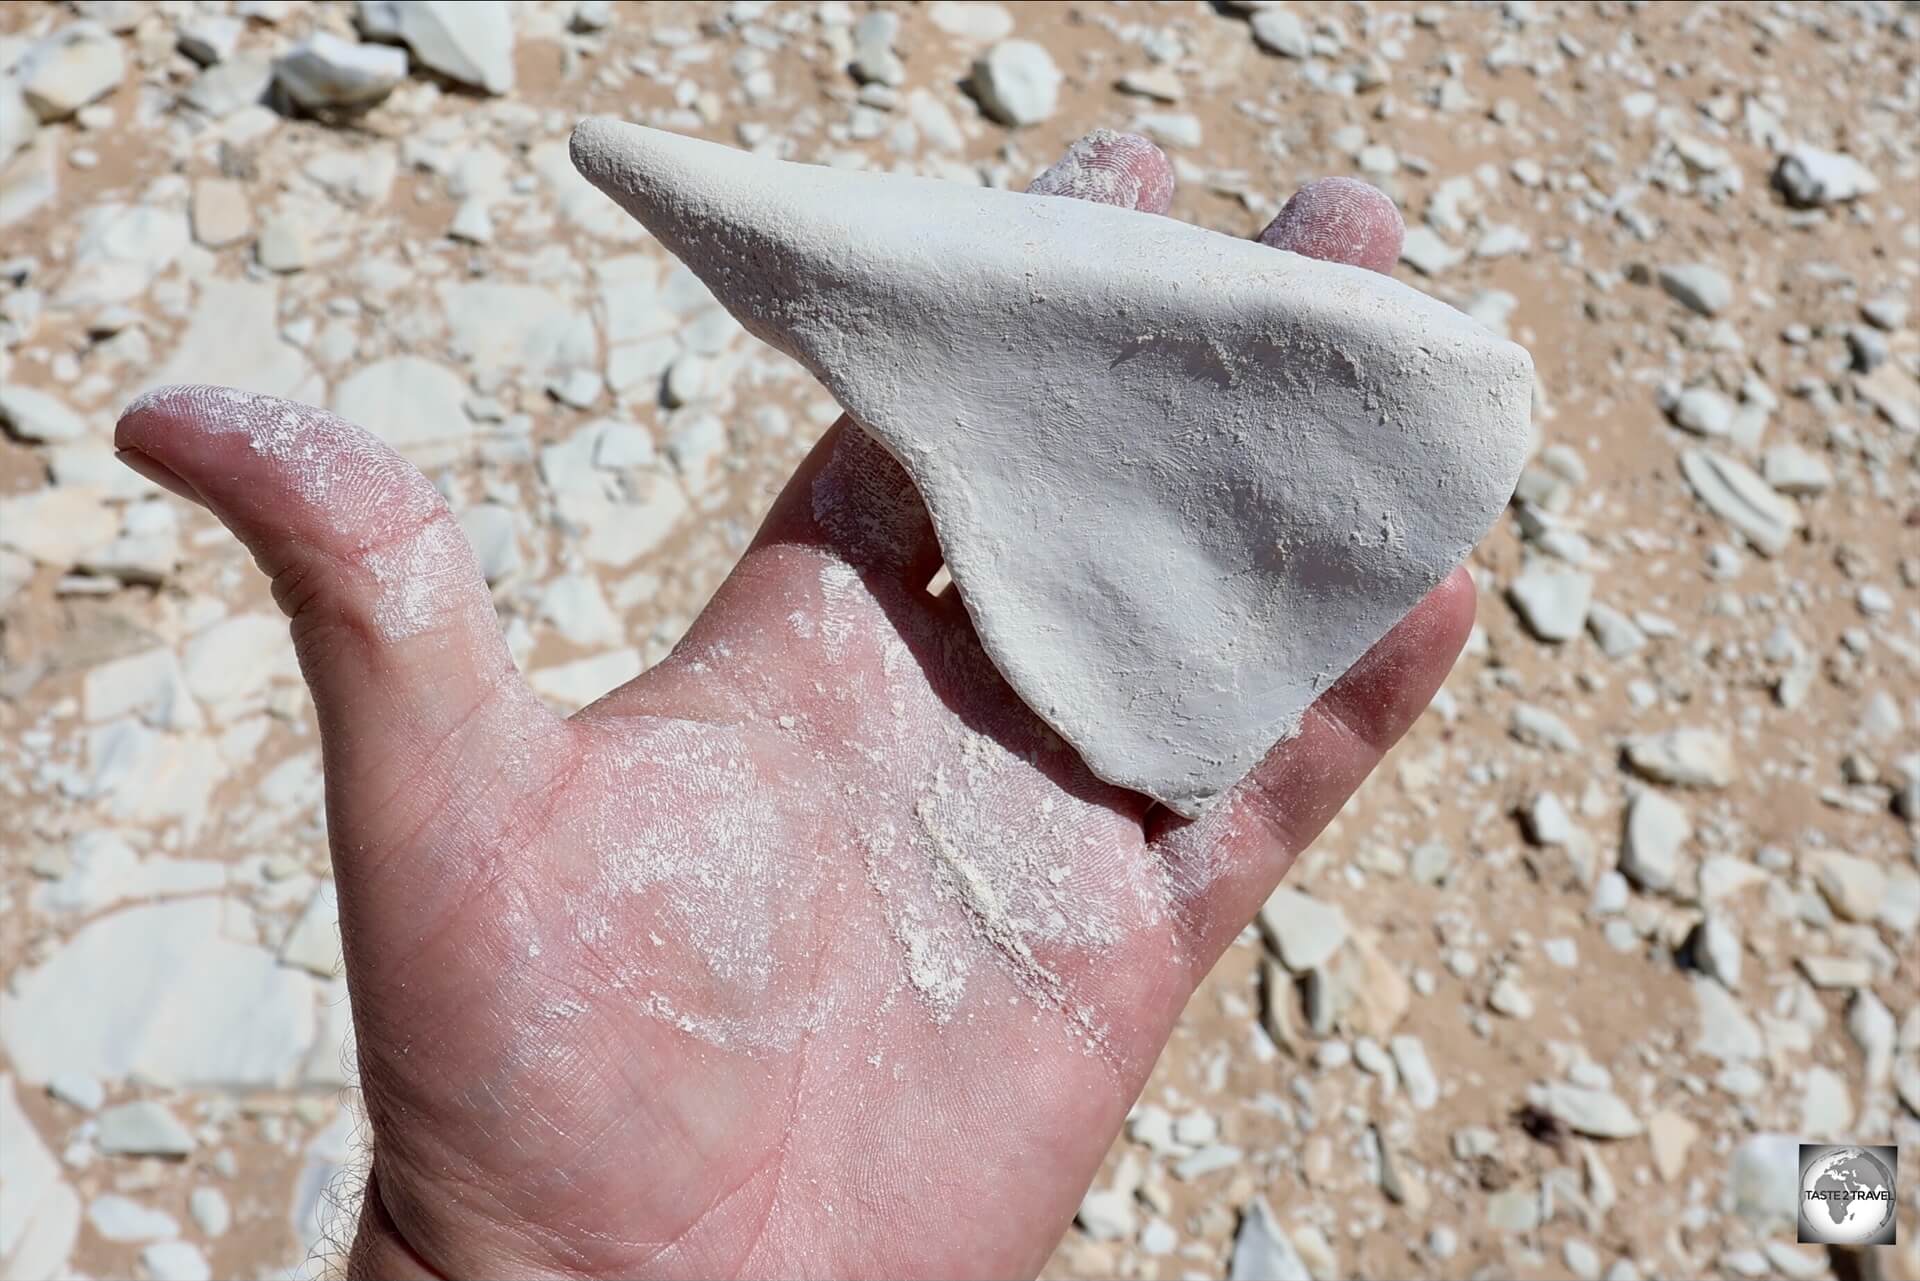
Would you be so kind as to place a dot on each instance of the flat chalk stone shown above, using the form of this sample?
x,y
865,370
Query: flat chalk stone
x,y
1182,481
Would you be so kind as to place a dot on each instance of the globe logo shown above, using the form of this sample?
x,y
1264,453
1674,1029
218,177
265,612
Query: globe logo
x,y
1847,1196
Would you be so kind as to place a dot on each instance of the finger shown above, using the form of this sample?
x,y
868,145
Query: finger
x,y
390,617
1225,864
1111,168
1339,220
850,497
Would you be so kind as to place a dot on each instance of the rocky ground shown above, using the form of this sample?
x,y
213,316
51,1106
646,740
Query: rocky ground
x,y
1632,910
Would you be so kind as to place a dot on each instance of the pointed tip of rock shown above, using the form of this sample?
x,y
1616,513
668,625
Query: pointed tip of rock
x,y
596,143
670,183
628,160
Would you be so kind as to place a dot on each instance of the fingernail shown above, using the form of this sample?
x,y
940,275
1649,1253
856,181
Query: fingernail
x,y
159,474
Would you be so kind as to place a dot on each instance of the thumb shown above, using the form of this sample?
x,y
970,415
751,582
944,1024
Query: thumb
x,y
391,619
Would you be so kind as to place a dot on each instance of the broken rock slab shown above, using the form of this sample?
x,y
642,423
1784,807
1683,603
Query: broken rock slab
x,y
1304,932
1715,950
468,41
1723,1029
142,1128
1670,1135
175,1261
233,340
326,73
1855,887
1732,491
148,684
1596,1113
1764,1177
34,415
227,86
18,120
221,212
1699,287
1893,392
70,68
39,1210
1704,411
1808,176
412,403
1552,602
313,944
211,37
1686,756
1826,1104
1281,32
57,527
1790,469
1425,252
973,21
875,61
1262,1251
1617,635
1656,830
210,1211
1287,378
518,327
1017,83
169,995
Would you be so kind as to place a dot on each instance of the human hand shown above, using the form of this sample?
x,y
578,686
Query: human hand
x,y
810,950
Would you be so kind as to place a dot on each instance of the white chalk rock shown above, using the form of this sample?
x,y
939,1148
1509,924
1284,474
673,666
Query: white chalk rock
x,y
39,1212
172,999
1016,82
971,20
36,415
1698,286
1808,176
142,1128
211,37
233,340
119,1218
325,72
1733,492
1278,31
470,41
231,84
175,1261
18,120
69,69
412,403
1182,481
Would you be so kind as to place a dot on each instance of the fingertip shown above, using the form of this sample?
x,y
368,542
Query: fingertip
x,y
1456,601
157,472
1382,694
1340,220
155,401
1111,168
162,420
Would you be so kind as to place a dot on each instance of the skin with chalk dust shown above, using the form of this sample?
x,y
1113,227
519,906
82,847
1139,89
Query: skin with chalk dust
x,y
771,958
793,891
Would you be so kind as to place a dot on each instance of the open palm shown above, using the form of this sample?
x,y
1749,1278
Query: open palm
x,y
811,950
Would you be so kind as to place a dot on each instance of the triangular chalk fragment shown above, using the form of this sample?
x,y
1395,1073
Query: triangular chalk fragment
x,y
1182,481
